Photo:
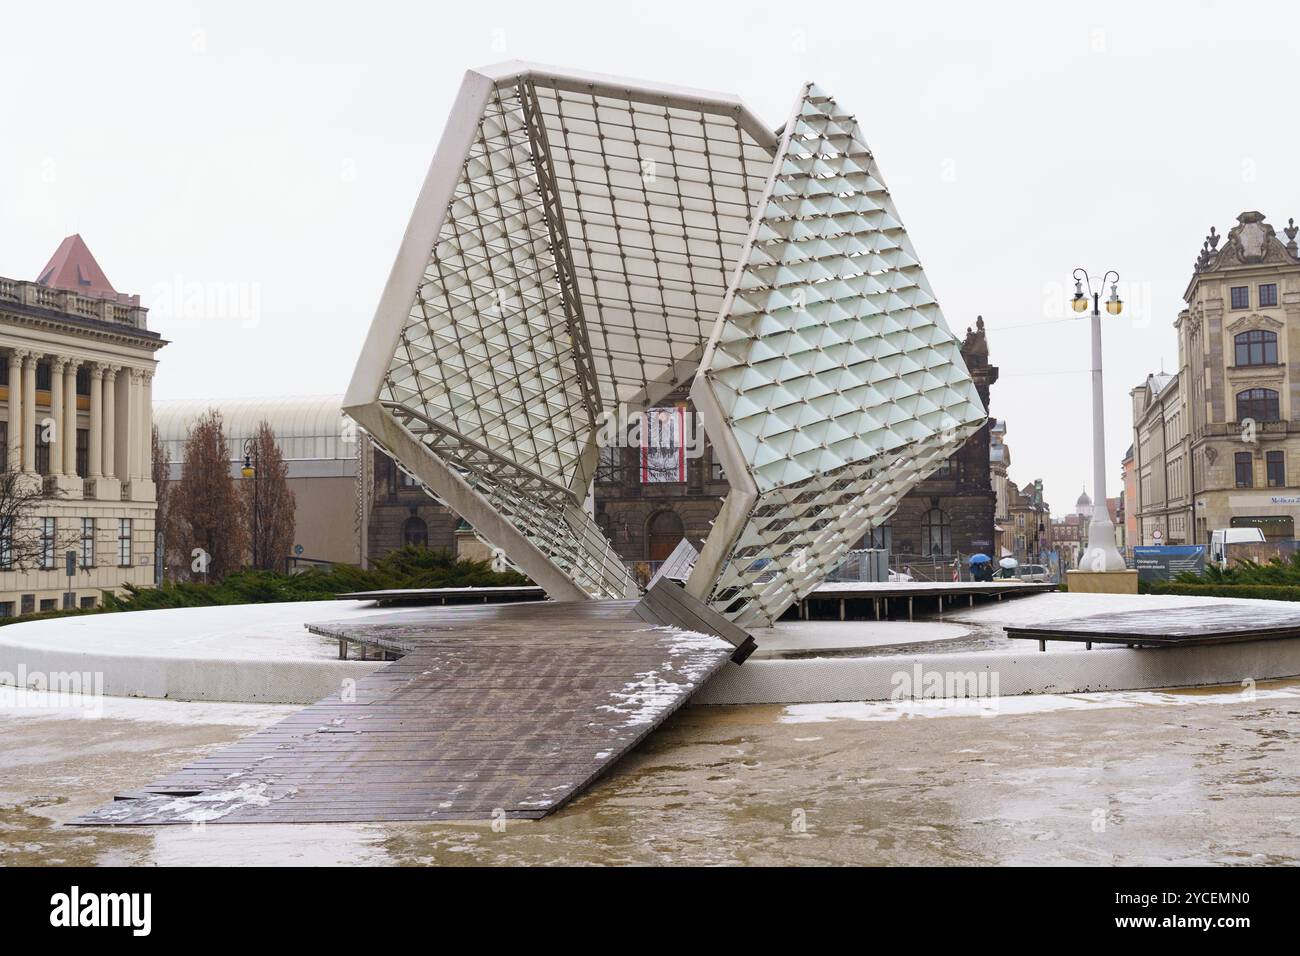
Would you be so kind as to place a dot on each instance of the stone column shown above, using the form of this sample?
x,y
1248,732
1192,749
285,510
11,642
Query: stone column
x,y
131,423
69,426
110,421
16,410
57,438
96,466
28,426
146,425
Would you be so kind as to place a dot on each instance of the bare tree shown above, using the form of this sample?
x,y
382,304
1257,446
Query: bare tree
x,y
24,545
267,502
204,507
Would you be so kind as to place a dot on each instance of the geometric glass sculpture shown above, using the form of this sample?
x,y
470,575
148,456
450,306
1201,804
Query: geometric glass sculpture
x,y
585,245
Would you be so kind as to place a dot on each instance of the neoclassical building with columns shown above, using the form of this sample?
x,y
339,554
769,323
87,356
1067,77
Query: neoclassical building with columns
x,y
76,372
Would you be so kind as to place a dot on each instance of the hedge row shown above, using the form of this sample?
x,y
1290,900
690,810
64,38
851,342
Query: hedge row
x,y
408,567
1269,592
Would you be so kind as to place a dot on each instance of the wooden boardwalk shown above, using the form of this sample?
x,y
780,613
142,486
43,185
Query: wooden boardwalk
x,y
492,711
1171,626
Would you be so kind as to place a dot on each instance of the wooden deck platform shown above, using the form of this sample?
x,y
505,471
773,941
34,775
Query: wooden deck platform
x,y
499,710
888,599
1171,627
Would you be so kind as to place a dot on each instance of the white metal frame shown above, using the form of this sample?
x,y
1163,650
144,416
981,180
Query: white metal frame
x,y
584,245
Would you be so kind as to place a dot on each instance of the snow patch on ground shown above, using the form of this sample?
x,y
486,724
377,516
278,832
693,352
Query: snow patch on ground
x,y
1034,609
651,694
261,632
876,711
200,808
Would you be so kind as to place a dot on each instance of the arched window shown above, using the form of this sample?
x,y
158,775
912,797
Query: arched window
x,y
936,534
1256,347
1258,403
416,532
664,532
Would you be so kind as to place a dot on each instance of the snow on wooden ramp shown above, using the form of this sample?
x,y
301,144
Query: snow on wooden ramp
x,y
496,710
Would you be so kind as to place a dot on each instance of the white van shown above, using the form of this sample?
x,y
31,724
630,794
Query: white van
x,y
1220,538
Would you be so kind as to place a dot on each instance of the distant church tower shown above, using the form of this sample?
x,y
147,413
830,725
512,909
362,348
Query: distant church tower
x,y
1083,507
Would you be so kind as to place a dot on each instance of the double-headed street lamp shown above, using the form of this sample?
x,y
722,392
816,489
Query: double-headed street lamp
x,y
1102,555
249,471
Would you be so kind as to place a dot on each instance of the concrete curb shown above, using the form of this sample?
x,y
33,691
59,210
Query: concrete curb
x,y
998,673
178,678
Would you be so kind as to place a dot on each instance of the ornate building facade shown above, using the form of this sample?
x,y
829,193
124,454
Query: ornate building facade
x,y
951,513
1225,452
75,381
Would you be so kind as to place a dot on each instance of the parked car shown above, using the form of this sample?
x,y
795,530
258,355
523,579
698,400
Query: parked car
x,y
1029,573
1033,573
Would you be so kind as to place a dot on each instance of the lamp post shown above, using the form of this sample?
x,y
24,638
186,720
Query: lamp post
x,y
1102,555
250,471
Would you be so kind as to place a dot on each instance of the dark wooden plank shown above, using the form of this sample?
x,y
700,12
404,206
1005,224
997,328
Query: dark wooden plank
x,y
508,709
668,604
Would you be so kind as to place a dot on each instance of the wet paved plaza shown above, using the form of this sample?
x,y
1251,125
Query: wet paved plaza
x,y
1185,777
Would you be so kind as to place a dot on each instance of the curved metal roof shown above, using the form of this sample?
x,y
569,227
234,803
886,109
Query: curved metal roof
x,y
306,427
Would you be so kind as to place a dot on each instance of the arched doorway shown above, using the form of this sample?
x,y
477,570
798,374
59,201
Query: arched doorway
x,y
664,532
415,532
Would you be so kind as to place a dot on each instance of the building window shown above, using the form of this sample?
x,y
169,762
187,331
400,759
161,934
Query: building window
x,y
83,380
4,445
6,608
1275,527
87,603
49,604
609,468
415,532
47,543
1245,469
87,542
1241,297
936,533
1268,295
42,450
123,542
42,376
1276,469
1260,404
83,452
1256,348
6,542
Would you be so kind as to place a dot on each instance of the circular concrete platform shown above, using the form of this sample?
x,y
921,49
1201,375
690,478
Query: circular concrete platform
x,y
263,653
240,653
987,664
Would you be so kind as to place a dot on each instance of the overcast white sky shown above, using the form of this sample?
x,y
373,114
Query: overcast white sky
x,y
248,168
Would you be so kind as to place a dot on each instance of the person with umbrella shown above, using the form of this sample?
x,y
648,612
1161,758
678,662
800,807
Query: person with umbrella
x,y
980,569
